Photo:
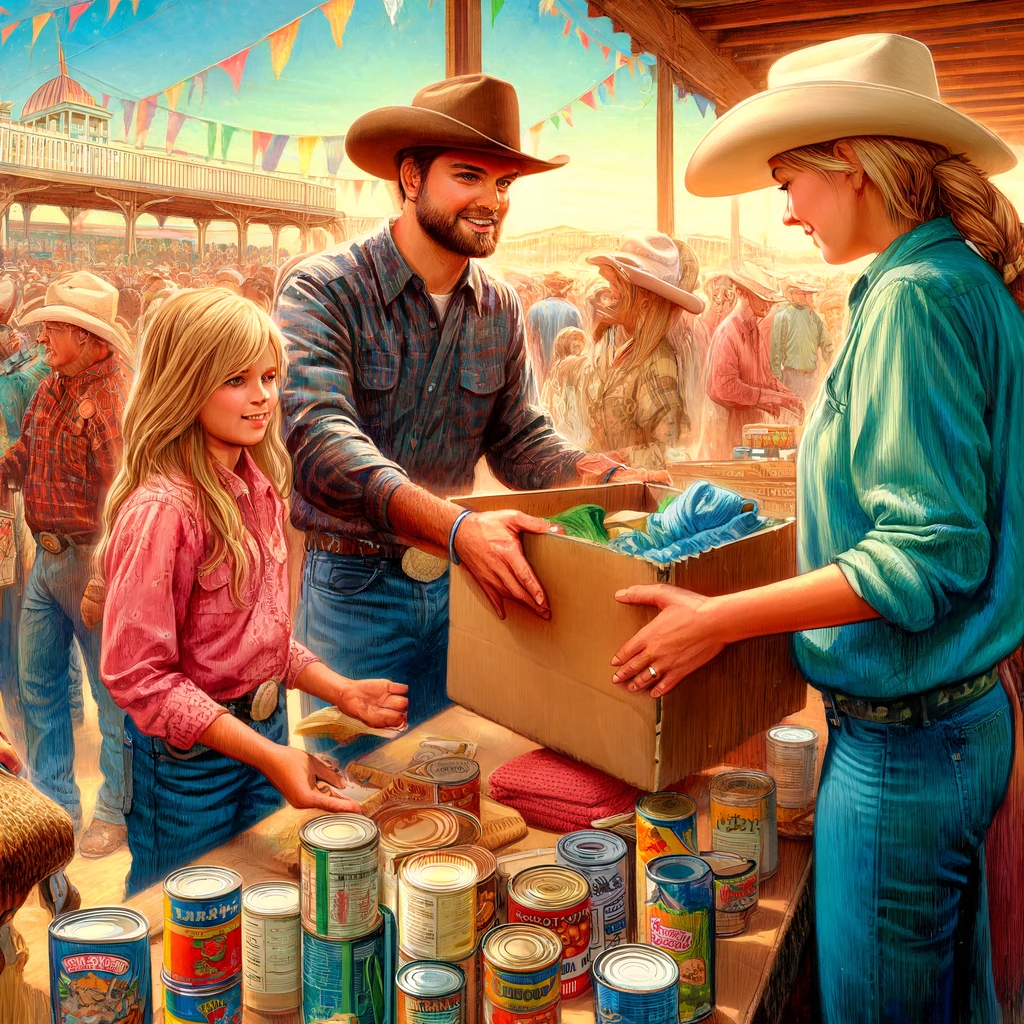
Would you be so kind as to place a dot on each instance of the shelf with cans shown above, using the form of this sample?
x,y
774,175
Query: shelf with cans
x,y
405,917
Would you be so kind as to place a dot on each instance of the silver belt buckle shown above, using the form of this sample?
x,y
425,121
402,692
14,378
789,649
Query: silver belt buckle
x,y
264,701
422,566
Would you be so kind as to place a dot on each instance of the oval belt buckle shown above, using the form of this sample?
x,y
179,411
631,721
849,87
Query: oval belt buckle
x,y
422,566
50,543
264,701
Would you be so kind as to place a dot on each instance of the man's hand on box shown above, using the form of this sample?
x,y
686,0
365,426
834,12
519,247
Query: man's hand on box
x,y
677,642
489,546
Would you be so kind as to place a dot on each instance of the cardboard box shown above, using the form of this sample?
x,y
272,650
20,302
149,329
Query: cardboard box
x,y
551,681
771,483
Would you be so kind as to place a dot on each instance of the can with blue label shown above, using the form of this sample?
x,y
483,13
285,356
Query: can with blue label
x,y
602,859
210,1004
99,967
350,977
636,984
431,992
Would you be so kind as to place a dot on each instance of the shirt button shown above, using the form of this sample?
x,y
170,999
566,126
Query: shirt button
x,y
433,323
430,387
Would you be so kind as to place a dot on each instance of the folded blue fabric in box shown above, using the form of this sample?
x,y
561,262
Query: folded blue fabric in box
x,y
702,518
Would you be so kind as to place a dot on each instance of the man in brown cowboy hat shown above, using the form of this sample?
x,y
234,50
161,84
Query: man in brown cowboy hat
x,y
63,463
407,365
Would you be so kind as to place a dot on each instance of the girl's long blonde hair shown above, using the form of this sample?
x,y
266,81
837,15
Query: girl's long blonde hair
x,y
651,325
920,181
196,341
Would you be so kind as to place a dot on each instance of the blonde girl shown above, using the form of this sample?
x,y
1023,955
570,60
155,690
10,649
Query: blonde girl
x,y
197,645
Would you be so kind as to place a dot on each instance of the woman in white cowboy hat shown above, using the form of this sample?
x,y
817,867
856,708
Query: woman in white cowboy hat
x,y
636,401
911,515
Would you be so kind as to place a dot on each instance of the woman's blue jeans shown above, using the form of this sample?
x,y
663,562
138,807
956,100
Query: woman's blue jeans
x,y
900,896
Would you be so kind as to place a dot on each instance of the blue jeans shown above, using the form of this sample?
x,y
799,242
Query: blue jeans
x,y
366,619
900,896
50,620
184,803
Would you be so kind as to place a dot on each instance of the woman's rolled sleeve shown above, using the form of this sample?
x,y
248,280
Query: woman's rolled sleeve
x,y
919,447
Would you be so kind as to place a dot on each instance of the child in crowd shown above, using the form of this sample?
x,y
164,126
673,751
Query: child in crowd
x,y
197,644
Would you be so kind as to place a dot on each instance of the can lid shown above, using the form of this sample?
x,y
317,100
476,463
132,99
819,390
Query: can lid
x,y
742,786
337,832
549,887
522,947
485,861
591,848
678,868
419,828
430,978
794,735
449,770
438,871
636,968
666,806
182,989
470,829
271,899
201,882
100,924
728,865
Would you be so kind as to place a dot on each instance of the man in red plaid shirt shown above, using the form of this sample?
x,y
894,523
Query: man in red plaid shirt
x,y
64,462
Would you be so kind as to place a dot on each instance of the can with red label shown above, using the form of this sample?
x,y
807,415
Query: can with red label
x,y
202,925
559,899
520,975
450,781
735,891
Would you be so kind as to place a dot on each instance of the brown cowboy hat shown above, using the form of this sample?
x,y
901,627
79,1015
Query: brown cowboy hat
x,y
474,112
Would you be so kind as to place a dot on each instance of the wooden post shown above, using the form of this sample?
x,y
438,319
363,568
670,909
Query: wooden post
x,y
665,150
26,214
735,242
462,37
201,224
275,243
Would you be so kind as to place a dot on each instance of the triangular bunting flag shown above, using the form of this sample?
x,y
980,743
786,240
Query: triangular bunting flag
x,y
535,131
272,154
357,188
702,103
259,144
128,106
555,120
392,7
135,6
373,187
235,66
37,24
609,84
211,139
307,143
112,8
620,60
607,51
75,11
172,95
567,115
583,38
143,119
631,64
174,123
226,131
602,92
198,84
334,148
281,43
5,32
106,101
337,12
568,27
496,6
589,99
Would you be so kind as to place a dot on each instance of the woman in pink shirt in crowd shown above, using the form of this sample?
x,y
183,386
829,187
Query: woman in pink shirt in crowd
x,y
197,644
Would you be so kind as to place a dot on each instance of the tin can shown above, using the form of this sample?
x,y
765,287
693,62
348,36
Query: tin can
x,y
624,826
793,764
99,967
202,925
271,946
470,968
601,858
186,1004
451,781
470,829
521,973
486,884
636,984
405,830
743,818
349,977
679,918
437,905
430,992
735,891
510,865
557,898
339,876
666,825
741,453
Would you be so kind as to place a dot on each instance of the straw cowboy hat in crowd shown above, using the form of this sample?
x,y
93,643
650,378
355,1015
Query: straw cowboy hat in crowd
x,y
799,285
10,296
862,85
474,112
755,279
651,261
87,301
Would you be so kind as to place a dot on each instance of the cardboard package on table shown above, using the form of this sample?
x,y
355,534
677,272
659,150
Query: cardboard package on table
x,y
771,483
551,681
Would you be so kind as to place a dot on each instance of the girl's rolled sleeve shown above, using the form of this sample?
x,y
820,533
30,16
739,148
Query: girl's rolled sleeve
x,y
919,447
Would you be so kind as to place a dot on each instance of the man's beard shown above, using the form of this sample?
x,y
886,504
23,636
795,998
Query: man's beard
x,y
448,231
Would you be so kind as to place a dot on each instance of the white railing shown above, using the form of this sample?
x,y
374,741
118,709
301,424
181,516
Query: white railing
x,y
25,148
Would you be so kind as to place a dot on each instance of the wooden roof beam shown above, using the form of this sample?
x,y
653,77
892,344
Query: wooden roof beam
x,y
673,38
774,12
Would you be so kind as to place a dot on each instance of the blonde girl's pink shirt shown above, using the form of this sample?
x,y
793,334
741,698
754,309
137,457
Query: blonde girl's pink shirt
x,y
174,642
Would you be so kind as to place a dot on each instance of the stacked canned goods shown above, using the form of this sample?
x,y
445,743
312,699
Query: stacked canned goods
x,y
521,972
271,947
602,859
430,992
735,891
793,764
347,940
202,974
451,781
636,984
666,824
743,818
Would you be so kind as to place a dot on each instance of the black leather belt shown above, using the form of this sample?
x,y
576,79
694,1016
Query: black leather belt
x,y
336,545
257,705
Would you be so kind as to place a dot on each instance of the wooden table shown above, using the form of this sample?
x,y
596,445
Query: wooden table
x,y
754,972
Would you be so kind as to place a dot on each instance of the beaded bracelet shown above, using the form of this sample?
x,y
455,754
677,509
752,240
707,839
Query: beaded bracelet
x,y
452,556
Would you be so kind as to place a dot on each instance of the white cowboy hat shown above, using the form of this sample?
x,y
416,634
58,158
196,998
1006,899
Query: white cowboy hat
x,y
861,85
87,301
755,279
651,261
